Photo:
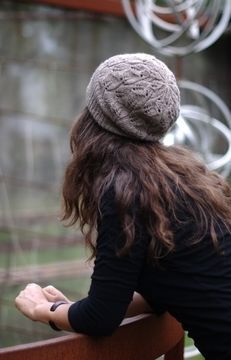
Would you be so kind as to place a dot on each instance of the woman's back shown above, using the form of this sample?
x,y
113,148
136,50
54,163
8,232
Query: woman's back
x,y
193,282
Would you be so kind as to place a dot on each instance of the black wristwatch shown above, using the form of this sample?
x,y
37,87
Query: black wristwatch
x,y
53,308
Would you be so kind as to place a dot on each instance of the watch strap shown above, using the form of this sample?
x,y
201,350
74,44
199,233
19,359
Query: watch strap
x,y
53,307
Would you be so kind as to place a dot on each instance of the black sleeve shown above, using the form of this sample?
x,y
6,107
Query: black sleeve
x,y
114,278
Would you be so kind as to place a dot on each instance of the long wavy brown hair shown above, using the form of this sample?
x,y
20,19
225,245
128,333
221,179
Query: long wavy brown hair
x,y
161,178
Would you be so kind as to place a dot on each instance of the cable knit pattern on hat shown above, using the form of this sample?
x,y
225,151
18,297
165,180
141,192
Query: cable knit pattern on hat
x,y
134,95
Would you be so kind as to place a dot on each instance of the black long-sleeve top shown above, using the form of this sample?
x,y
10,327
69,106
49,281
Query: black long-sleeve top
x,y
192,283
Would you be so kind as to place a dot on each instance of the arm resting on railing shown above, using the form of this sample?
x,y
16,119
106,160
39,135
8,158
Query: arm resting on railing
x,y
144,337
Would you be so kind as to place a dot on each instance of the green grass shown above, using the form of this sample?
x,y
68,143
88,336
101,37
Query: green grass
x,y
36,251
46,256
27,229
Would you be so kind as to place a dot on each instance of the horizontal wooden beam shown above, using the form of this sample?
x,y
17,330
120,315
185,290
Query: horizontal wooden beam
x,y
144,337
113,7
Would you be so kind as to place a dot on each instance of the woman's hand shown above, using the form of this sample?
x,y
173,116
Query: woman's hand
x,y
35,303
52,294
29,300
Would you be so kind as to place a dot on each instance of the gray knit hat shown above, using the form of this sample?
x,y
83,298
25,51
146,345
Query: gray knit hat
x,y
134,95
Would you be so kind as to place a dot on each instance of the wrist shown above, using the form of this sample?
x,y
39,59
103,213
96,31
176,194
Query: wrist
x,y
53,307
59,317
41,312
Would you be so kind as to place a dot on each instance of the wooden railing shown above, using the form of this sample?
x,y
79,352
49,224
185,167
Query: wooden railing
x,y
113,7
141,338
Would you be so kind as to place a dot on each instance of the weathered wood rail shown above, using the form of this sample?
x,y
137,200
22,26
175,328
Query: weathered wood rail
x,y
140,338
113,7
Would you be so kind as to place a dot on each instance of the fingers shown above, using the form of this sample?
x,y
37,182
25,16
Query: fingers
x,y
33,296
50,290
50,295
53,294
17,300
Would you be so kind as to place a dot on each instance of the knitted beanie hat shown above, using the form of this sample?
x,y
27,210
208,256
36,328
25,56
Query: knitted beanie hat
x,y
134,95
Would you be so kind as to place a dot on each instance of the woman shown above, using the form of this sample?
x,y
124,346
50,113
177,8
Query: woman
x,y
163,220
